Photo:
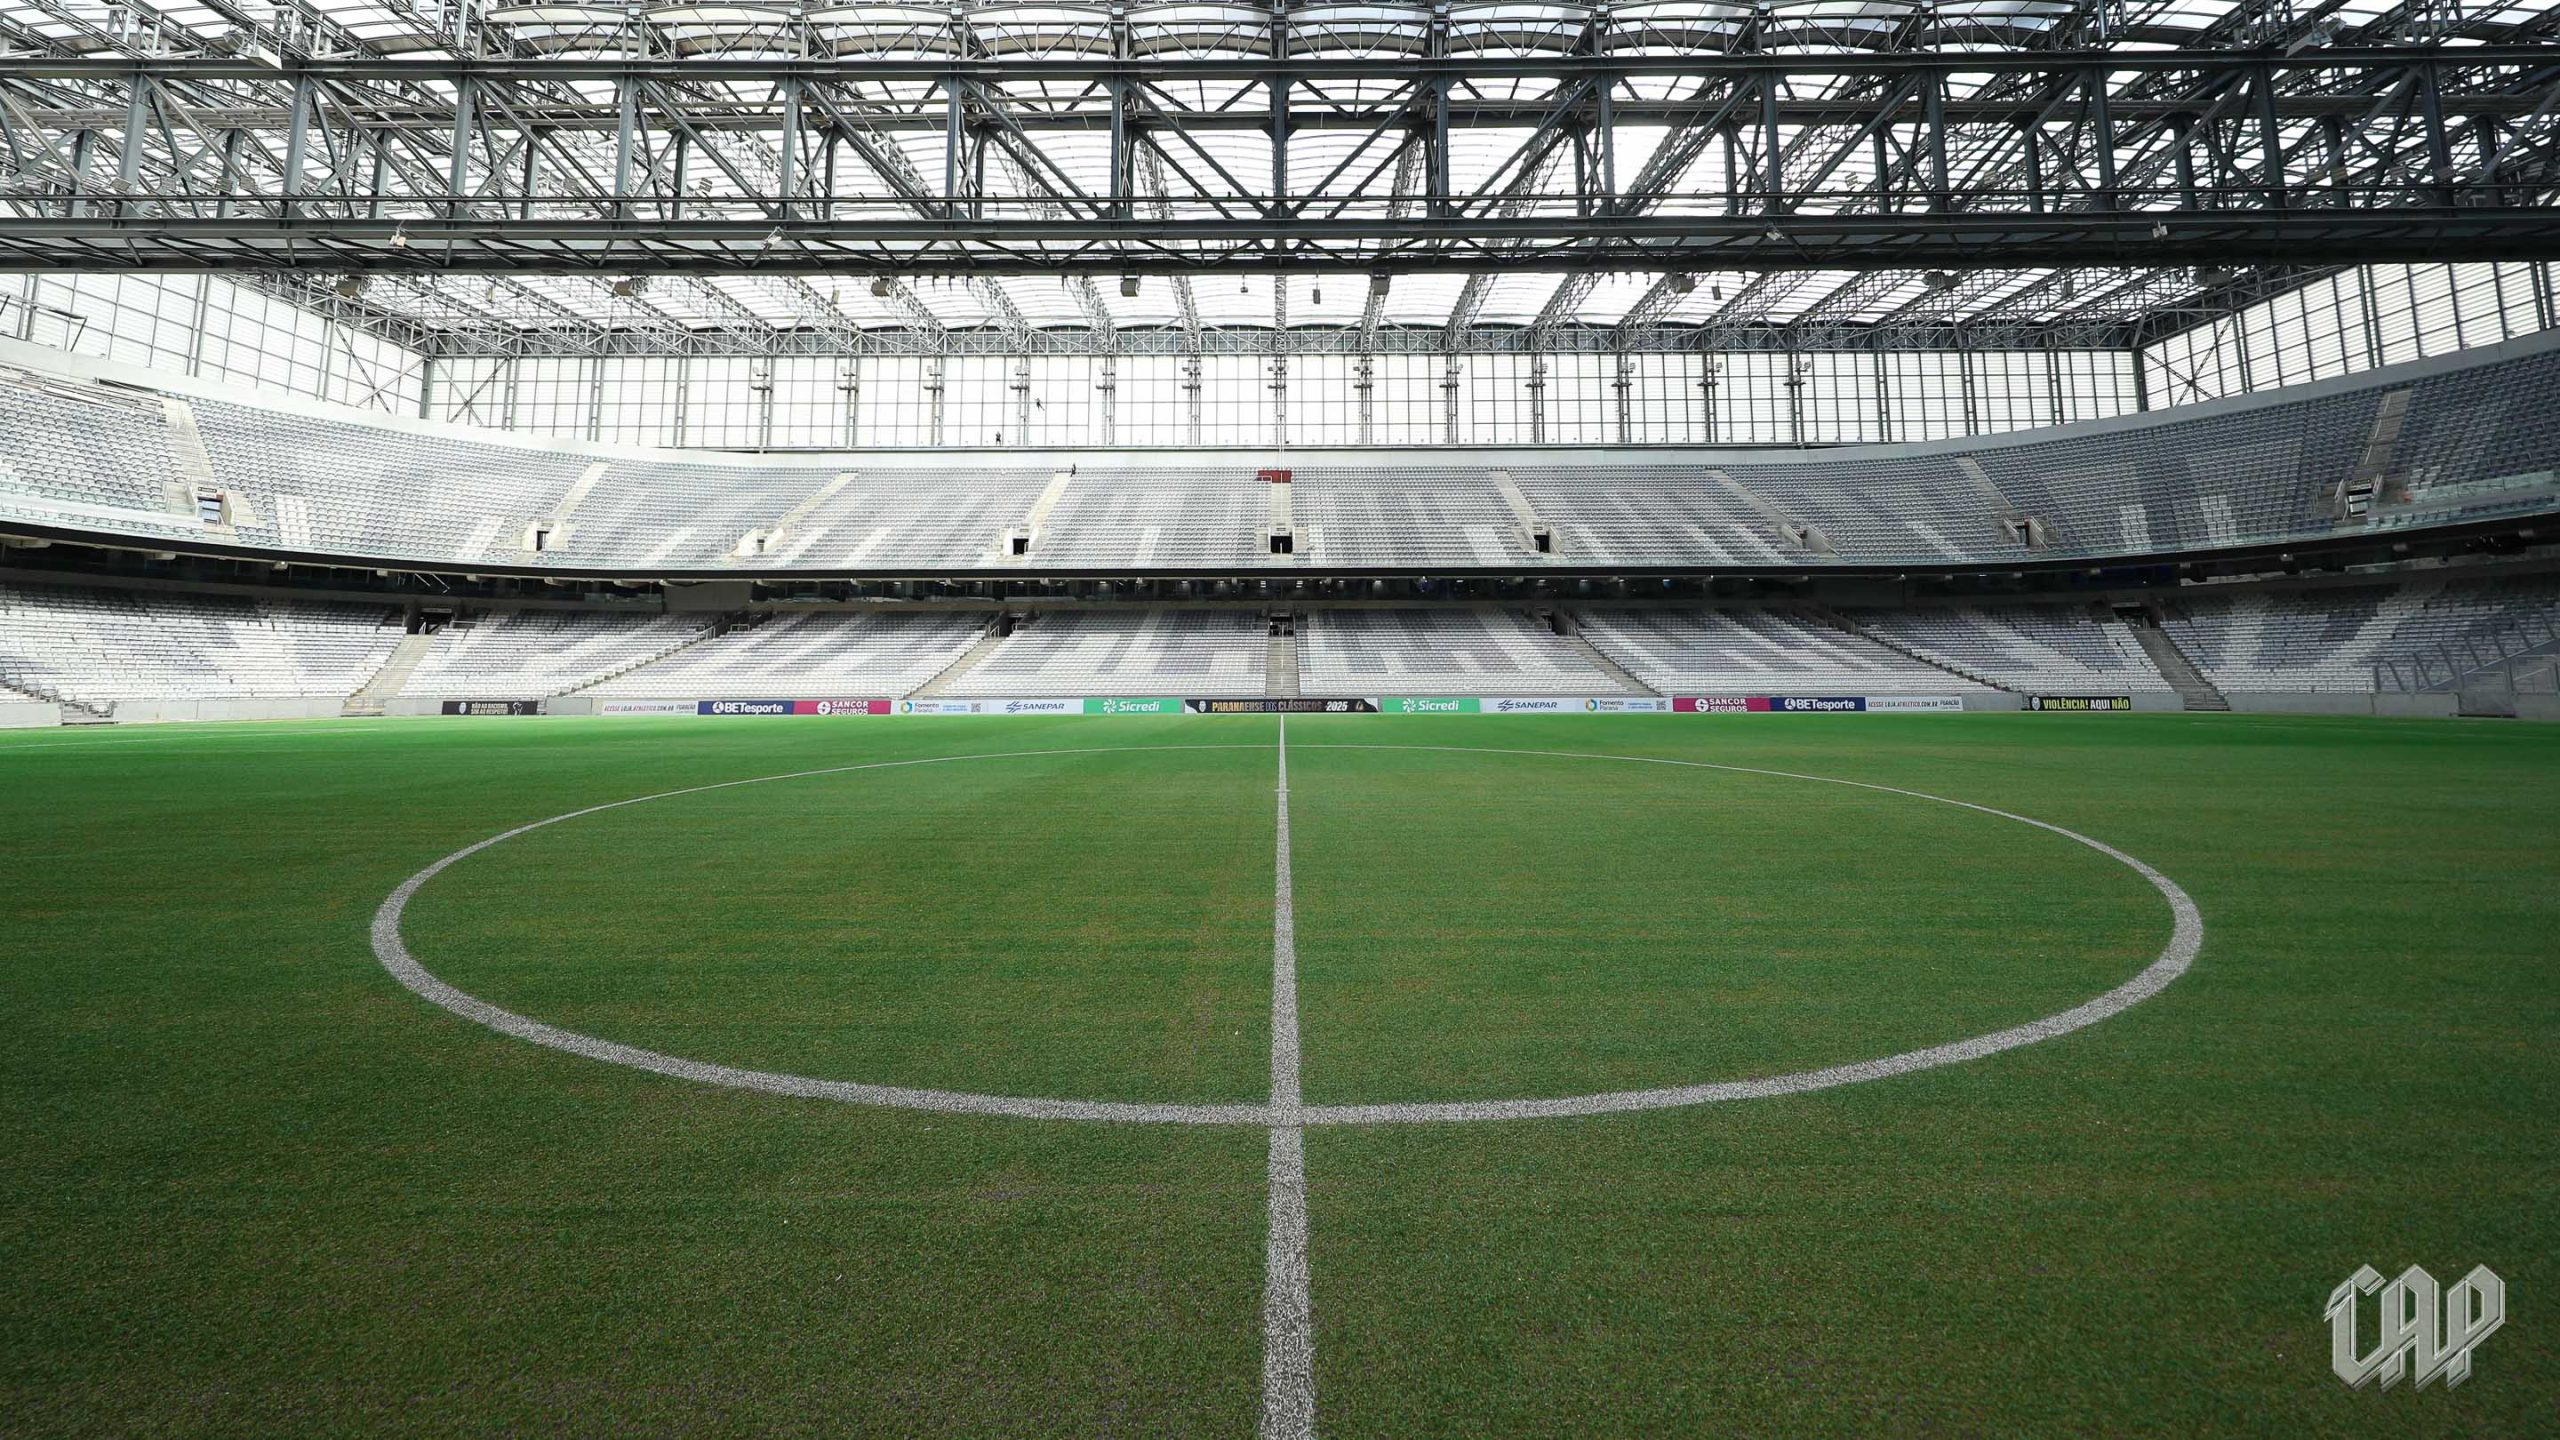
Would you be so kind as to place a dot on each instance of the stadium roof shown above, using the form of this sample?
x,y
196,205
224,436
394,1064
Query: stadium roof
x,y
741,178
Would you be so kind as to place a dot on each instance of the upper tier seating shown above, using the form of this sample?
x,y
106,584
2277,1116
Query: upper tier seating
x,y
917,519
342,489
678,516
816,654
1482,651
2328,639
84,457
1159,519
1758,652
530,654
2034,649
104,646
1405,517
1125,652
1626,514
2480,440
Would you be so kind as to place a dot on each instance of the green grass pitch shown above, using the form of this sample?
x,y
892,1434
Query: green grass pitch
x,y
252,1186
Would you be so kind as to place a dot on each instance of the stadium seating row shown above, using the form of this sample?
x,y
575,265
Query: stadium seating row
x,y
2481,439
104,646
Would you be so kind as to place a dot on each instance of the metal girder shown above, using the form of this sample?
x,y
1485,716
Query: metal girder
x,y
705,164
1152,188
501,341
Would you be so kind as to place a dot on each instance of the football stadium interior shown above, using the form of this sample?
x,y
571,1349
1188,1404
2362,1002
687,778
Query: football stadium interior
x,y
1633,717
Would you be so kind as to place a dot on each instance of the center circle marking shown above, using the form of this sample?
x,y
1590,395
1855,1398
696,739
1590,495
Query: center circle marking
x,y
2185,940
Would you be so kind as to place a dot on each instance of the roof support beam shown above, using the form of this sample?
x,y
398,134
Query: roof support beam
x,y
500,162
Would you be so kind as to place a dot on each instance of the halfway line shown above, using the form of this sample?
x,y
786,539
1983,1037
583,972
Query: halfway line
x,y
1288,1316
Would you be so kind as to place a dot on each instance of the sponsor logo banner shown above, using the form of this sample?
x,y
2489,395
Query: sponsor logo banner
x,y
839,707
1807,704
646,707
2082,703
1528,705
1620,705
1128,705
742,707
1290,705
939,707
1430,705
493,707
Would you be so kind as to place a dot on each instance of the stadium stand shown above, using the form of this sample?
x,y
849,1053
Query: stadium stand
x,y
678,516
810,653
2328,640
102,647
531,654
322,485
1479,651
1407,518
1622,514
2481,438
918,519
2035,649
99,647
1759,652
1125,652
1188,519
74,454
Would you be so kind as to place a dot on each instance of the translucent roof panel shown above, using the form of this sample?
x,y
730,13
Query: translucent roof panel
x,y
1040,145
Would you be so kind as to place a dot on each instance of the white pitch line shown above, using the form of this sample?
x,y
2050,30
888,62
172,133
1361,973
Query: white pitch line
x,y
1285,1097
392,949
1288,1311
2185,941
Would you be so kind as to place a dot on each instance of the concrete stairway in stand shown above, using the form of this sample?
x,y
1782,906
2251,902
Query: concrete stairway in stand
x,y
1280,666
2175,667
988,640
1825,615
1571,633
719,628
370,699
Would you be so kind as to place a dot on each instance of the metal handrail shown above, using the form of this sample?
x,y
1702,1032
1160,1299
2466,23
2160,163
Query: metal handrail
x,y
2464,655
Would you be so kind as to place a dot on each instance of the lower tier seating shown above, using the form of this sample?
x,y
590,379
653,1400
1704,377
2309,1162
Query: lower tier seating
x,y
105,646
98,646
2035,649
1125,652
2330,639
812,654
530,654
1481,651
1759,652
